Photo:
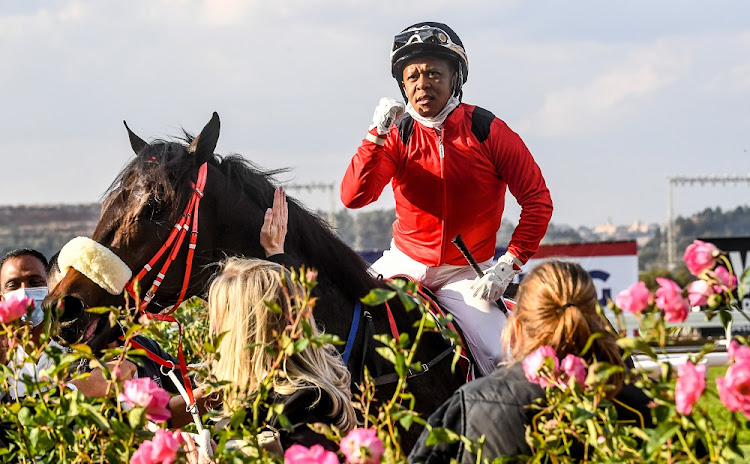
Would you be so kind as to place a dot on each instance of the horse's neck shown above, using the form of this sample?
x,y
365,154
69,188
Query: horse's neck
x,y
337,265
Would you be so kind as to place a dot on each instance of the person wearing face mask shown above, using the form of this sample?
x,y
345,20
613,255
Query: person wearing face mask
x,y
23,272
450,164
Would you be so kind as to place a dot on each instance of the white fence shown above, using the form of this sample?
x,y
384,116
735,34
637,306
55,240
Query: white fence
x,y
696,326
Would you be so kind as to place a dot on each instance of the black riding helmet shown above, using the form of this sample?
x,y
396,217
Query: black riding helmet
x,y
429,39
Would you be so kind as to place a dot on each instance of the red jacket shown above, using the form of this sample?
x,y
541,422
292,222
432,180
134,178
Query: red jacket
x,y
462,192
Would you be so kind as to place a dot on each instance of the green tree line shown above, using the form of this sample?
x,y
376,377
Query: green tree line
x,y
48,228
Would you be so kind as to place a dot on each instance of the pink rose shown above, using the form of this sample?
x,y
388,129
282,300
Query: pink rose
x,y
670,300
634,298
316,454
535,362
145,393
734,388
14,308
698,292
160,449
691,381
737,352
574,368
143,454
700,256
727,281
165,445
362,446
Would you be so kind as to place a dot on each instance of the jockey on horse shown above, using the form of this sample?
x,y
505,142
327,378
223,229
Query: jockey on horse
x,y
450,164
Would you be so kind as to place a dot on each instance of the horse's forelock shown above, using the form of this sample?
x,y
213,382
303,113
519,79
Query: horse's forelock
x,y
162,171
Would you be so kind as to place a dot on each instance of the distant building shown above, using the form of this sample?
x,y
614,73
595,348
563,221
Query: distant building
x,y
638,231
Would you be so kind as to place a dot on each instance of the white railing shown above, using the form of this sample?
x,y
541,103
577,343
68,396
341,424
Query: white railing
x,y
678,354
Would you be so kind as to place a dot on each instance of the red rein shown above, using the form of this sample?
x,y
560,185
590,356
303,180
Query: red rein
x,y
173,246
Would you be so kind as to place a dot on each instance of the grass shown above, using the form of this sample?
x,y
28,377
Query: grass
x,y
716,410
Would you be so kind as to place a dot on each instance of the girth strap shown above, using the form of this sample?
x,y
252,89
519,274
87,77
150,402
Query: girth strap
x,y
352,332
393,377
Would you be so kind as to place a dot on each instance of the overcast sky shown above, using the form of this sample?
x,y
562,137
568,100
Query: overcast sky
x,y
610,97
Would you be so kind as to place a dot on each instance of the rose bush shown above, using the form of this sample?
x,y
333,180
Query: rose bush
x,y
57,424
582,418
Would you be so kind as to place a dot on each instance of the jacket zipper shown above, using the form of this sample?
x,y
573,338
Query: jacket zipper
x,y
441,151
440,146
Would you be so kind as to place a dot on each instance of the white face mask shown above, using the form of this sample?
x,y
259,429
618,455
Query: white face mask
x,y
35,293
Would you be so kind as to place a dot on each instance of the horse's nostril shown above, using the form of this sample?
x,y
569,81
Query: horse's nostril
x,y
72,308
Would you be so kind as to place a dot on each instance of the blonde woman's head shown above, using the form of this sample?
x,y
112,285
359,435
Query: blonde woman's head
x,y
557,306
237,302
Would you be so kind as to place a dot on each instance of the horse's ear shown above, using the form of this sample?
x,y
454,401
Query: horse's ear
x,y
136,142
204,144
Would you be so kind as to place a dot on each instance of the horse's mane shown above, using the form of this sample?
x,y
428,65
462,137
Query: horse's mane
x,y
166,169
308,234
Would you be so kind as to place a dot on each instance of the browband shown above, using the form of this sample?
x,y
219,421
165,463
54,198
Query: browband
x,y
96,262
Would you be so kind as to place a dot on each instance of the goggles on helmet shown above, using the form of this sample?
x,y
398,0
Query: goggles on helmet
x,y
434,39
425,34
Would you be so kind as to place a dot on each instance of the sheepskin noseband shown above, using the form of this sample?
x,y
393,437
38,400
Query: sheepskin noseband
x,y
96,262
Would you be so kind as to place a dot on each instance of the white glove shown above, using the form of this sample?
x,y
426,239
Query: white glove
x,y
496,279
386,114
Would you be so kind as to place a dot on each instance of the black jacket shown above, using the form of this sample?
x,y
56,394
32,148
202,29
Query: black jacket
x,y
300,411
496,406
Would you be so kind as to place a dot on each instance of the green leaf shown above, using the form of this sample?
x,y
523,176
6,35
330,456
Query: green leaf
x,y
407,300
429,323
25,416
34,437
441,435
725,317
579,415
301,344
406,421
400,364
94,413
133,330
378,296
81,348
136,416
274,307
743,287
284,422
660,435
101,310
630,344
590,342
387,353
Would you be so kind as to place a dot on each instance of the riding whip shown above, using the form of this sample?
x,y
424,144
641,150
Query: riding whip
x,y
459,242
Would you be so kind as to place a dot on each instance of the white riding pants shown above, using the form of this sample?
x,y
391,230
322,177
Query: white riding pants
x,y
482,322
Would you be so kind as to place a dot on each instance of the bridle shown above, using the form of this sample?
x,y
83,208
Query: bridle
x,y
178,232
173,244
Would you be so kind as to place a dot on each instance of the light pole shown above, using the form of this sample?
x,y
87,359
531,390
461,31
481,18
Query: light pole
x,y
329,187
691,180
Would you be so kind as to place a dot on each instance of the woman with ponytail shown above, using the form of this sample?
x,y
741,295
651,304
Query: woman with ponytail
x,y
557,307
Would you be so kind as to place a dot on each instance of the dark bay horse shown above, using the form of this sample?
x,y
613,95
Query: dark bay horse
x,y
146,200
